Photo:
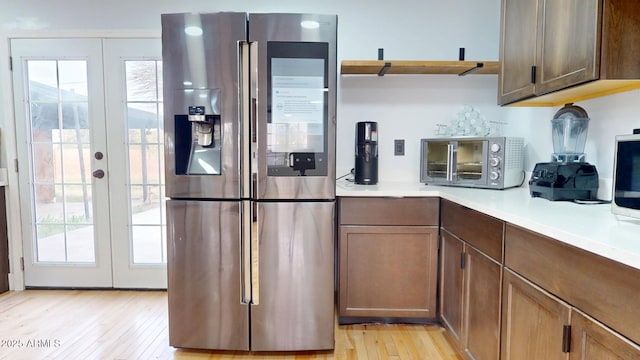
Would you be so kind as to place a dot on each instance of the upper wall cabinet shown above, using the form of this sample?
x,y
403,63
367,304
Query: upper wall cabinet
x,y
555,52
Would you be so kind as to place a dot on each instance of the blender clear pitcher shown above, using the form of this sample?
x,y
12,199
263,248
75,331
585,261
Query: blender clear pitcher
x,y
569,134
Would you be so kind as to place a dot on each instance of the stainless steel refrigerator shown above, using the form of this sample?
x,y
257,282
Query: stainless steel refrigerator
x,y
249,108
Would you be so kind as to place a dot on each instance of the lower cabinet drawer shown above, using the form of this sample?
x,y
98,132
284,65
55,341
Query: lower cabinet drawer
x,y
483,232
408,211
387,272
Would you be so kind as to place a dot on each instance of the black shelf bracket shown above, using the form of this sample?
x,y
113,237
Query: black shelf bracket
x,y
473,69
384,69
386,66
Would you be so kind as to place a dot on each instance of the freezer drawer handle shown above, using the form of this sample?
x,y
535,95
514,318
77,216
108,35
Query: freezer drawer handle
x,y
255,256
245,253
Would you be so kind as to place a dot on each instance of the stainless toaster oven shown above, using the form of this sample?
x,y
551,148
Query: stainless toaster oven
x,y
482,162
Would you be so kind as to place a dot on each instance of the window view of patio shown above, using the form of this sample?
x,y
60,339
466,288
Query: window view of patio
x,y
60,144
61,161
146,161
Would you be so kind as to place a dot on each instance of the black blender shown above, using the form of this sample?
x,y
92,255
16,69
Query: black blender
x,y
568,176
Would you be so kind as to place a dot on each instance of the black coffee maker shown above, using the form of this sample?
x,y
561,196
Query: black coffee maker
x,y
366,153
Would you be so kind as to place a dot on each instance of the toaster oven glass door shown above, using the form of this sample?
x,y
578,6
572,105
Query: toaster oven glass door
x,y
471,160
438,166
461,162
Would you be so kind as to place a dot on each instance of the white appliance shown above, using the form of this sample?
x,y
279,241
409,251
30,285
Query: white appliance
x,y
626,175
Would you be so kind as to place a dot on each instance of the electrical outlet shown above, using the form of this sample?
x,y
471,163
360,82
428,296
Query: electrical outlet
x,y
398,146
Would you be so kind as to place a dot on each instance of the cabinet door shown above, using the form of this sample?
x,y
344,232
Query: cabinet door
x,y
483,279
388,271
451,278
569,43
532,322
592,341
517,49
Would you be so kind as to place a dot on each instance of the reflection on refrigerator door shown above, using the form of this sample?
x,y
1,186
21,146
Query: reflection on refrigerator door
x,y
295,277
204,287
201,105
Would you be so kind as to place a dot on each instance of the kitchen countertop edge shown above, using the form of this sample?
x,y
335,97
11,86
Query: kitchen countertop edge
x,y
589,227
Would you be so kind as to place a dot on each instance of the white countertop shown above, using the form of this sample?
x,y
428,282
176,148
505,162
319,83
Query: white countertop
x,y
589,227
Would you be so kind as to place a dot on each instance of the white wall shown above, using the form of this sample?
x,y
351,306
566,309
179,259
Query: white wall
x,y
406,107
406,29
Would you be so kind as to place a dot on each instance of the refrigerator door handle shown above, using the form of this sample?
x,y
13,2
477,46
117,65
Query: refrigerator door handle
x,y
252,87
253,70
245,252
244,81
449,162
255,255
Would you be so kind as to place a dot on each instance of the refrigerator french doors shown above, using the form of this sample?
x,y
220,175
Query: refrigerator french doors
x,y
250,173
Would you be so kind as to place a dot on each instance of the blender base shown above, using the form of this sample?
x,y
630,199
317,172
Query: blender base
x,y
557,181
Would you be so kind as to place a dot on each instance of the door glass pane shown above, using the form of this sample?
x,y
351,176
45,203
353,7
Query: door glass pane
x,y
59,141
437,158
470,159
146,160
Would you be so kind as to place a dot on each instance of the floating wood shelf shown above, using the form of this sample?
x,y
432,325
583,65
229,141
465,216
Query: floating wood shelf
x,y
404,67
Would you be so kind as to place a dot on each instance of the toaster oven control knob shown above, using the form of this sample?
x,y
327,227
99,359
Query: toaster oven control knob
x,y
494,175
495,147
494,161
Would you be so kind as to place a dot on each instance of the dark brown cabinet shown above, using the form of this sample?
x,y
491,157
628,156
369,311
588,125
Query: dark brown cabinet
x,y
533,322
568,43
4,245
517,50
586,283
470,279
538,325
451,284
548,45
482,296
388,254
604,289
592,341
551,45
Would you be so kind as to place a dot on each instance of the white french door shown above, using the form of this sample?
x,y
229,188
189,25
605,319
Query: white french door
x,y
89,131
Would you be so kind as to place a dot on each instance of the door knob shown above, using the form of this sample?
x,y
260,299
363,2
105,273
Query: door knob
x,y
98,155
98,174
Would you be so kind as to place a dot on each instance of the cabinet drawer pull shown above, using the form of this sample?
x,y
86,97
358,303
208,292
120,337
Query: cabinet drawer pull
x,y
566,338
533,74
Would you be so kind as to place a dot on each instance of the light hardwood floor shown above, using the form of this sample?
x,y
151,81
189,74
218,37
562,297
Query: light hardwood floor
x,y
96,324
